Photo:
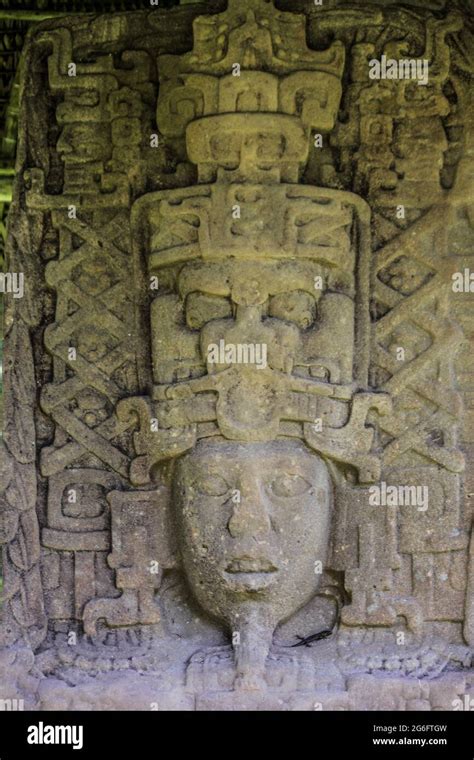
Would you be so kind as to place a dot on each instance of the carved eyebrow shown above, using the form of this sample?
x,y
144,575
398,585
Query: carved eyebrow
x,y
206,473
215,468
281,468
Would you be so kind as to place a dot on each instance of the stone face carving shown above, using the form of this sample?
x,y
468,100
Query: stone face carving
x,y
239,319
251,562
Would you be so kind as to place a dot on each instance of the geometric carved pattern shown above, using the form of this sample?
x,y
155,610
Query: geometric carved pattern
x,y
94,292
436,406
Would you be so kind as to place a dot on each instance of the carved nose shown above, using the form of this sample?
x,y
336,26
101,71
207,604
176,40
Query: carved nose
x,y
249,519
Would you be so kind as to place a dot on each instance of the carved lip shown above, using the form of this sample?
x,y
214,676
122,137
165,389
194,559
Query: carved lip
x,y
246,566
253,580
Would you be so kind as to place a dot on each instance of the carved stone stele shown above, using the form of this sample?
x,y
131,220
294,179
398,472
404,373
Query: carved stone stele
x,y
238,388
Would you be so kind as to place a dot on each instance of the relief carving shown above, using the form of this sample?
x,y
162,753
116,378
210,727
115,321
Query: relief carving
x,y
242,360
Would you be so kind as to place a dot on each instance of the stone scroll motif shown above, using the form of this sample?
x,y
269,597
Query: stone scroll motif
x,y
239,356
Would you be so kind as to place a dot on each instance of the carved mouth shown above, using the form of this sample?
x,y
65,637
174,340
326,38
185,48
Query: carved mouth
x,y
245,565
246,574
253,581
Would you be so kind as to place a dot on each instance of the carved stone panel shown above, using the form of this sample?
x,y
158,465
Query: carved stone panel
x,y
238,387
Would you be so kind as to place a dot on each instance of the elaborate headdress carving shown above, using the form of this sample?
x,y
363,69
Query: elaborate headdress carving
x,y
247,98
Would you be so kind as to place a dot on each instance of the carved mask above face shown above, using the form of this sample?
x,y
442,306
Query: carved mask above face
x,y
253,520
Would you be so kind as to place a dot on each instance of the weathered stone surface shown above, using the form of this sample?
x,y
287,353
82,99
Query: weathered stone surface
x,y
238,385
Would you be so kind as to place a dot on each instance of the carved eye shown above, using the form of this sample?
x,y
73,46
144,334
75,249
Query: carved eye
x,y
297,307
213,485
202,308
289,486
